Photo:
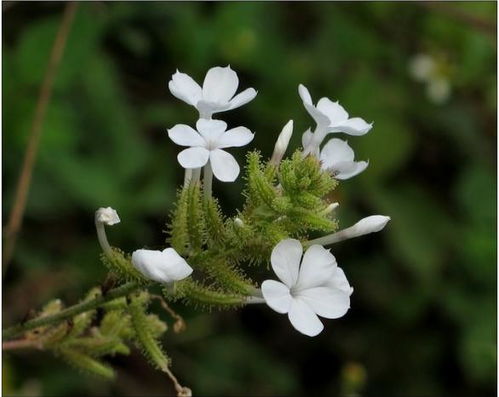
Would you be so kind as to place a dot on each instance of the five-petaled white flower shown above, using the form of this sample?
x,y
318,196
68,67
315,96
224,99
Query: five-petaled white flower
x,y
317,287
207,144
217,95
162,266
330,117
338,157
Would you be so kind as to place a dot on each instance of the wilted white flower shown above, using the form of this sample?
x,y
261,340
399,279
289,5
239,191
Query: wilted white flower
x,y
206,144
338,157
330,117
282,143
371,224
422,67
162,266
316,287
438,90
107,215
217,95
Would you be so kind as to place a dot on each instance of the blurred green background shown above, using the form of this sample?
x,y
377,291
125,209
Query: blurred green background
x,y
423,316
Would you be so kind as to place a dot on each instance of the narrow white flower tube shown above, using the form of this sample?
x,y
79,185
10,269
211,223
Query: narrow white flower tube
x,y
282,143
371,224
105,216
164,266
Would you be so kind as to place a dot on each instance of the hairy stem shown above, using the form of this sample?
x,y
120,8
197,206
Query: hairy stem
x,y
71,311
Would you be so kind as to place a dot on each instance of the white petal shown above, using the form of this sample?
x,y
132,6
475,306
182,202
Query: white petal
x,y
193,157
277,295
304,94
318,266
178,268
339,281
306,138
150,264
185,88
184,135
354,126
285,260
242,98
348,169
211,130
335,151
235,137
326,302
304,319
320,118
220,84
370,224
333,110
224,165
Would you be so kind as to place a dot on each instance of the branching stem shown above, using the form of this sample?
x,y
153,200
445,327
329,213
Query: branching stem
x,y
71,311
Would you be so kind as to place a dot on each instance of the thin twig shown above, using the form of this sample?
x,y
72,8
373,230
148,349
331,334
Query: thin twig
x,y
182,391
24,181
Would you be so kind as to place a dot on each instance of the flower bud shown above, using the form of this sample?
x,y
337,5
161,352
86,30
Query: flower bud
x,y
162,266
371,224
282,143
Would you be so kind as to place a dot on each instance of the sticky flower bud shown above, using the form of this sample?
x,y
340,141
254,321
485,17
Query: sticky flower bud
x,y
282,143
105,216
162,266
371,224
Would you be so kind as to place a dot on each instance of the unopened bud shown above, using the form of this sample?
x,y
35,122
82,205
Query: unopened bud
x,y
371,224
282,143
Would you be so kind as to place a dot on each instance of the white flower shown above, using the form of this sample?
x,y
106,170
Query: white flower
x,y
330,117
317,287
107,215
163,266
217,95
282,143
206,144
338,157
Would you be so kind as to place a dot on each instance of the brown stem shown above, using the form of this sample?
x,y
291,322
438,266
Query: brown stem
x,y
179,325
21,344
16,216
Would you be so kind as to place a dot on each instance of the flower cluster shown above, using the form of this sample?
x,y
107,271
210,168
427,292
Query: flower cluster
x,y
286,198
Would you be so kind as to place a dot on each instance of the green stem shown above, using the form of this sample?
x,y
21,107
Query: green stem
x,y
71,311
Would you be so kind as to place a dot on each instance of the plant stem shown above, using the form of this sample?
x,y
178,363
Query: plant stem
x,y
71,311
16,216
207,180
21,344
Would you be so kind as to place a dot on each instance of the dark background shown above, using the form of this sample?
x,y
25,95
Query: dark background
x,y
423,317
